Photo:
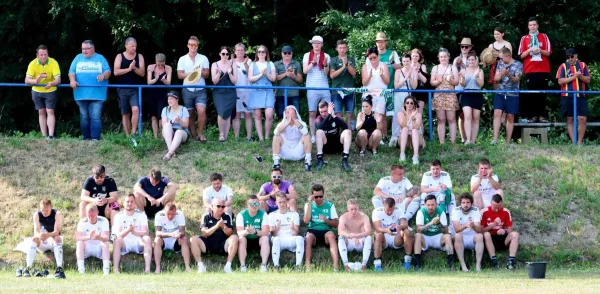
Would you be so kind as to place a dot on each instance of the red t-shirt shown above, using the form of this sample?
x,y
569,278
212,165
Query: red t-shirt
x,y
535,66
488,216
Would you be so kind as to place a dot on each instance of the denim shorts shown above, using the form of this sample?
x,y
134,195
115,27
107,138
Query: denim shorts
x,y
347,103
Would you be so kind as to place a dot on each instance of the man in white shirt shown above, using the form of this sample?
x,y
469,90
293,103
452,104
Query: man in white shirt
x,y
436,182
194,99
131,229
253,233
466,220
315,64
393,186
92,239
391,230
217,191
355,232
285,225
484,185
291,140
169,225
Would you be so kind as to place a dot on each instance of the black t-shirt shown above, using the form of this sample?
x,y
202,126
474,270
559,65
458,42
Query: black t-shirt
x,y
209,221
100,191
154,191
332,126
370,124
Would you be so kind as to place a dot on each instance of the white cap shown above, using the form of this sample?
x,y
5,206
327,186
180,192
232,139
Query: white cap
x,y
316,38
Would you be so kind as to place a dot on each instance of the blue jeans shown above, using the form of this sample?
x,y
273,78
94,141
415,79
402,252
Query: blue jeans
x,y
347,102
90,116
280,104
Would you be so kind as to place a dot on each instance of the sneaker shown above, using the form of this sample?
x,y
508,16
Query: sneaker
x,y
510,266
134,141
418,266
378,269
495,265
201,268
402,157
37,273
307,167
451,265
542,119
346,166
277,166
385,140
50,138
415,160
26,273
227,269
313,139
263,268
393,142
523,120
494,142
320,164
19,273
243,268
44,273
59,273
406,265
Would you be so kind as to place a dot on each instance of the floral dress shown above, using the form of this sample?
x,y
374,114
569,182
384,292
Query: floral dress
x,y
445,101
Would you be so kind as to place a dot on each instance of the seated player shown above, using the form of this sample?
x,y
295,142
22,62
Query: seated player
x,y
438,183
322,220
169,225
253,233
266,195
354,232
484,185
393,186
47,226
92,239
466,220
217,190
153,192
391,231
496,224
216,236
101,190
131,229
432,231
285,225
333,135
291,140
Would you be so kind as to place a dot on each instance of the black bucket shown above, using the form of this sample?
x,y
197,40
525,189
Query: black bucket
x,y
537,270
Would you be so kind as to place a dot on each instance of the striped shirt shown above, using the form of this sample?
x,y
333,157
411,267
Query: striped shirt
x,y
576,84
316,77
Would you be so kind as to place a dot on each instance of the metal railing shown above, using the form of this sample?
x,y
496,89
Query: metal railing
x,y
354,90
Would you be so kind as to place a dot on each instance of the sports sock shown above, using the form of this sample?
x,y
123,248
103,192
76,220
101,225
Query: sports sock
x,y
276,158
413,207
345,155
319,156
307,157
343,250
493,258
276,250
31,254
106,266
299,250
450,258
228,264
407,258
418,258
367,249
377,262
511,259
81,266
58,255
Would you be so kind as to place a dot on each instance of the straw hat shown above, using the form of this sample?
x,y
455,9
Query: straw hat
x,y
381,37
193,77
466,41
488,56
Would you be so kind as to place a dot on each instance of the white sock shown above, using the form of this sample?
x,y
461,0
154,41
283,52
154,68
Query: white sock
x,y
407,258
228,264
31,254
377,262
377,201
343,250
81,266
58,255
276,158
413,207
307,157
106,266
200,264
276,251
299,250
367,249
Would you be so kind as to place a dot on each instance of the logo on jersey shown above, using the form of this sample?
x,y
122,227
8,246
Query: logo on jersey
x,y
257,220
103,189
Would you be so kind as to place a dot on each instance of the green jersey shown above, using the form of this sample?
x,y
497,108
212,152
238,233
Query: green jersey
x,y
328,210
424,218
344,79
255,221
387,58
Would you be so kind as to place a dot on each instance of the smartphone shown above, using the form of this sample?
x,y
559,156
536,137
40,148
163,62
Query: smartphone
x,y
393,230
258,158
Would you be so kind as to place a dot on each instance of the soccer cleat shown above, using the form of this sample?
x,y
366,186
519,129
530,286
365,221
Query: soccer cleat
x,y
44,273
320,163
26,273
307,167
227,269
378,269
451,264
263,268
345,165
418,266
510,266
406,265
277,166
495,265
59,273
243,269
19,273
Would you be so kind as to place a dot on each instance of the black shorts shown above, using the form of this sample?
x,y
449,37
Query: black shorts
x,y
319,235
473,100
151,210
176,246
566,106
333,145
498,241
214,246
252,244
113,206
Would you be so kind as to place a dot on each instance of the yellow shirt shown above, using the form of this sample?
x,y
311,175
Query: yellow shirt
x,y
51,69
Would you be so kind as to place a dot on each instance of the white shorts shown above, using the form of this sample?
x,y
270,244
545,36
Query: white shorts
x,y
169,243
469,241
351,245
48,245
291,150
289,242
93,250
432,241
133,245
389,241
379,104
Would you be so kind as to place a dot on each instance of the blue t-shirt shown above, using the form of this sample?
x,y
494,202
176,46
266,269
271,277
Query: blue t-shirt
x,y
86,71
154,191
183,113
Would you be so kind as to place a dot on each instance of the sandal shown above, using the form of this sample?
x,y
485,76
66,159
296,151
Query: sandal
x,y
221,139
168,156
201,139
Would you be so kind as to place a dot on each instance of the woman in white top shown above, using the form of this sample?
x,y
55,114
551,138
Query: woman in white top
x,y
444,76
406,78
411,123
262,73
471,78
376,77
242,62
175,122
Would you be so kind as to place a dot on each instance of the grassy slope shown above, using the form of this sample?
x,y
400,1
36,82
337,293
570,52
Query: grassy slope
x,y
552,191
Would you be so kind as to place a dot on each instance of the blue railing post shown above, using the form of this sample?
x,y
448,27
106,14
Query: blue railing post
x,y
285,100
575,120
140,107
430,118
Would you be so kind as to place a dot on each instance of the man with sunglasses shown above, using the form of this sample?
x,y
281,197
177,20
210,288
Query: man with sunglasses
x,y
285,226
267,192
289,74
253,230
322,220
101,190
216,236
573,75
333,135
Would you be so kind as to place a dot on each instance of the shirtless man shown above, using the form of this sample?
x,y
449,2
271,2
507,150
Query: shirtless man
x,y
354,231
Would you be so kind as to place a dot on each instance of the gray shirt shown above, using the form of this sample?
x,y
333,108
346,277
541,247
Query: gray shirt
x,y
514,69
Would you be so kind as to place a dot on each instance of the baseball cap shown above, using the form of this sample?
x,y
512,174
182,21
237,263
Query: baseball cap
x,y
287,49
571,51
316,38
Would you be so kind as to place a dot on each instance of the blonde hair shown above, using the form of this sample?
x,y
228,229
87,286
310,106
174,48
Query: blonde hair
x,y
418,51
351,202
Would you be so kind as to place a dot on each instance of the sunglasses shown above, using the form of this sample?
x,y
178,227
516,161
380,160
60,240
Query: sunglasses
x,y
261,52
570,56
276,177
287,53
193,45
465,47
318,197
224,53
254,204
409,103
220,206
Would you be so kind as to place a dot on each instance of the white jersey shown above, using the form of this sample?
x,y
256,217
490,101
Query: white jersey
x,y
209,193
388,220
286,220
430,182
316,77
169,226
123,221
86,227
473,214
394,189
485,187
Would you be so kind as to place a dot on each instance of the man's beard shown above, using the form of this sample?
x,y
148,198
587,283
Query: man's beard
x,y
277,181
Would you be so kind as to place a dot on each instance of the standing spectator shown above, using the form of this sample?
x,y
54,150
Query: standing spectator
x,y
89,68
444,76
242,63
193,69
224,74
406,78
466,47
471,78
376,77
158,74
411,124
175,122
392,60
416,61
44,70
289,74
342,70
508,75
572,76
315,65
368,135
535,50
498,44
262,74
129,67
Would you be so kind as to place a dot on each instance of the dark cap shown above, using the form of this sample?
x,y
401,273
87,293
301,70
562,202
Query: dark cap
x,y
287,49
173,94
571,51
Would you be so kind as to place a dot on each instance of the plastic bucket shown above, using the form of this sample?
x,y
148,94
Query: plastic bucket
x,y
537,270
